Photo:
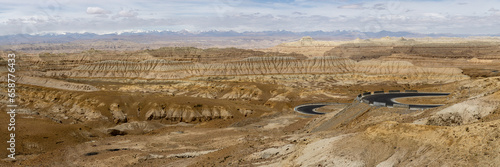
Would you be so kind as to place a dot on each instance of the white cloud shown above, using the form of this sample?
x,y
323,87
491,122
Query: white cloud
x,y
126,13
97,10
493,10
380,6
352,6
434,15
394,15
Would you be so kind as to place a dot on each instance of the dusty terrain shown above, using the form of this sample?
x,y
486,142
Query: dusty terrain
x,y
185,106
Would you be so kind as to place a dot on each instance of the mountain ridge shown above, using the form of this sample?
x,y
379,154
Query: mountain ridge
x,y
155,35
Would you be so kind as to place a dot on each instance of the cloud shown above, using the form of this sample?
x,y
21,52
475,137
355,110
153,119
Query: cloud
x,y
126,13
432,16
97,11
352,6
299,13
380,6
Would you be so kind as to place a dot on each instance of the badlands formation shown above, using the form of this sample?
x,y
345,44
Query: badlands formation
x,y
186,106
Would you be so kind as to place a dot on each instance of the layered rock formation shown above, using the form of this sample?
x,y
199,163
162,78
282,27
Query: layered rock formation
x,y
74,107
53,83
188,114
161,69
482,48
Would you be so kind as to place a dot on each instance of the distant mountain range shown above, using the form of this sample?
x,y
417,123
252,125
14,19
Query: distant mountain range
x,y
152,36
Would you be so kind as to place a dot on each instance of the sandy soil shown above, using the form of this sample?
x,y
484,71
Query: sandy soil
x,y
423,100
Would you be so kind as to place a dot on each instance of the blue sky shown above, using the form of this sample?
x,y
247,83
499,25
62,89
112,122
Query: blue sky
x,y
431,16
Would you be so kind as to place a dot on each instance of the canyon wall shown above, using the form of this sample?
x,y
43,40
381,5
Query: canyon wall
x,y
163,69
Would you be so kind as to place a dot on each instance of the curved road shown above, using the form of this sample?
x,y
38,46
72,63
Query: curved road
x,y
309,109
388,99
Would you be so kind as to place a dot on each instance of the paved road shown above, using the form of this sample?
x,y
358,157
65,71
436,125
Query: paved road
x,y
389,98
309,109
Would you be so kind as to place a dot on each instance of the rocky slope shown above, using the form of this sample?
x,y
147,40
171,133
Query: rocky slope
x,y
81,107
161,69
53,83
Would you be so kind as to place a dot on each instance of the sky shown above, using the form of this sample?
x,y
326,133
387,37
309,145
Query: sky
x,y
116,16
